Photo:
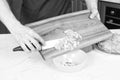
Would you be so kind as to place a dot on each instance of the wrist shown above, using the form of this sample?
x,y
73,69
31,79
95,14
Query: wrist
x,y
92,4
12,25
10,22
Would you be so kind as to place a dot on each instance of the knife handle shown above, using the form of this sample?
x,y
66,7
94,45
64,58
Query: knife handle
x,y
19,48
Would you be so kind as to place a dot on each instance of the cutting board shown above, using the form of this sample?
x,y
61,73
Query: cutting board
x,y
91,30
80,22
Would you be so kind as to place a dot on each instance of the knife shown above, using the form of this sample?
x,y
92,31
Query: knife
x,y
48,44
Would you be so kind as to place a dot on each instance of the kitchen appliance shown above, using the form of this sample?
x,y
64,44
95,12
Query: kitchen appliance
x,y
110,14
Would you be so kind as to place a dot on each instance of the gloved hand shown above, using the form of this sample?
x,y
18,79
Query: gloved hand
x,y
27,38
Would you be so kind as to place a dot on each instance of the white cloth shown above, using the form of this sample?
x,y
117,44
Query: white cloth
x,y
22,66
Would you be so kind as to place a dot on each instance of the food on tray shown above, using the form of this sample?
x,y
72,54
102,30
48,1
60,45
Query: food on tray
x,y
70,41
111,45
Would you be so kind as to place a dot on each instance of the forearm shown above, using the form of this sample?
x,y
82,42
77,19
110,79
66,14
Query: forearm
x,y
6,15
91,4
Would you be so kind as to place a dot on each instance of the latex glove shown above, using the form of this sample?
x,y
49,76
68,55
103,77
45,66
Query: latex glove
x,y
94,13
27,38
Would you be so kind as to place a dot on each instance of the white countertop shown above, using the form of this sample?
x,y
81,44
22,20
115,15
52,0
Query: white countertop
x,y
22,66
116,1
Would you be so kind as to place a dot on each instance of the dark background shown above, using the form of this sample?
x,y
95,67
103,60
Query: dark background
x,y
109,13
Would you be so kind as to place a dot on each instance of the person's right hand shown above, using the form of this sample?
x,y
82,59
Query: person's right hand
x,y
28,39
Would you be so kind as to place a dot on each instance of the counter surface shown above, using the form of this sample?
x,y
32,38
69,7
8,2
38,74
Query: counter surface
x,y
116,1
30,66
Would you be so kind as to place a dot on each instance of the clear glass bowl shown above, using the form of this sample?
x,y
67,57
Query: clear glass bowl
x,y
70,62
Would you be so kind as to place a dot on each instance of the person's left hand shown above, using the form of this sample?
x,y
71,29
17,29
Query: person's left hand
x,y
94,13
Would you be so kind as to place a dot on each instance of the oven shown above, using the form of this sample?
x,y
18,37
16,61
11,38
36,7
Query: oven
x,y
110,14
